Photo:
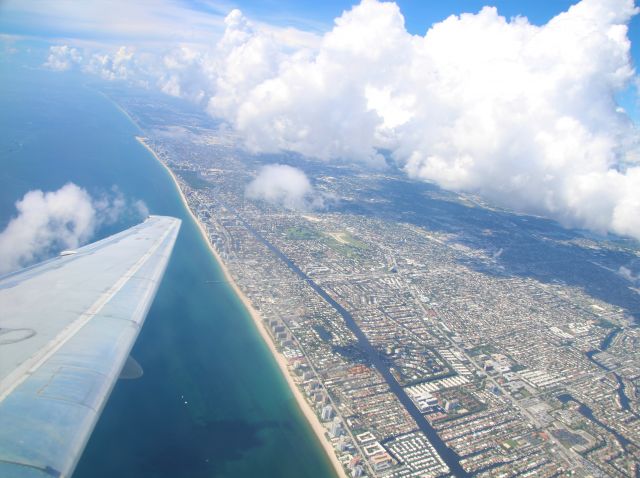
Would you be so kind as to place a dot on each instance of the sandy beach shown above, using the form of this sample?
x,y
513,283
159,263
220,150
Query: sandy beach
x,y
304,406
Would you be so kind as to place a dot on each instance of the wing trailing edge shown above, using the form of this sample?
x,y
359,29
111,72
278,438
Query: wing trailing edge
x,y
67,326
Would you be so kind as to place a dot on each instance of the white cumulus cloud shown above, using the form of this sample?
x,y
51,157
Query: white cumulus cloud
x,y
47,222
523,114
62,57
118,65
284,186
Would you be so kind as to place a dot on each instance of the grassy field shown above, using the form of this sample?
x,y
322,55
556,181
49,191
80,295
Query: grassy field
x,y
341,242
302,234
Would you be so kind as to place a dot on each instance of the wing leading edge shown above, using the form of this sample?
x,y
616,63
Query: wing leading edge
x,y
66,329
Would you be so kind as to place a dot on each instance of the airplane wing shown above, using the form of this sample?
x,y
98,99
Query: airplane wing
x,y
67,326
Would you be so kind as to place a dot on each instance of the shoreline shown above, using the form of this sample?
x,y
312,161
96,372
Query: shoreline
x,y
303,405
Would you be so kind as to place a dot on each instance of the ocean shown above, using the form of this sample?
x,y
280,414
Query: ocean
x,y
211,402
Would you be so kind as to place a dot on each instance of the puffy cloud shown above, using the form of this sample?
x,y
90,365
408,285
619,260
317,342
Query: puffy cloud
x,y
62,57
46,221
113,206
299,101
119,65
522,114
629,275
185,73
284,186
51,221
244,58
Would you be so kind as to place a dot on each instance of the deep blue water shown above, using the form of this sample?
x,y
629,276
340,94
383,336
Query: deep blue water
x,y
198,344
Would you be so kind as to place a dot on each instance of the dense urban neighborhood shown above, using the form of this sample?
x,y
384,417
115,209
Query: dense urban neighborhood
x,y
432,334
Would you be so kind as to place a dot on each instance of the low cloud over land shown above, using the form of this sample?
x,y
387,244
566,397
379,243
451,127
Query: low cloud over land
x,y
523,114
285,186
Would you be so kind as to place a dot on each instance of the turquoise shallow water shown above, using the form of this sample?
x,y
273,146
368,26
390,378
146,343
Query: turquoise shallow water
x,y
198,344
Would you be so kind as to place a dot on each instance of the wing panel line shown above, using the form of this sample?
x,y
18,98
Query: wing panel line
x,y
32,364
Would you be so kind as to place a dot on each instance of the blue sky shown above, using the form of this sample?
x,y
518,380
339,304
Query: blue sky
x,y
419,15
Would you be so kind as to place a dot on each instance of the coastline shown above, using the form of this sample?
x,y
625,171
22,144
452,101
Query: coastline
x,y
303,405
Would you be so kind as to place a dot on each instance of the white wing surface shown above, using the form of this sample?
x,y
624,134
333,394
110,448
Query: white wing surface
x,y
67,326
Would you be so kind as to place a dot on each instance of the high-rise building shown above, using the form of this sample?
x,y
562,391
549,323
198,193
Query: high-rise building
x,y
336,427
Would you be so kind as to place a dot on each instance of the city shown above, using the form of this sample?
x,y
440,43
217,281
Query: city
x,y
425,348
